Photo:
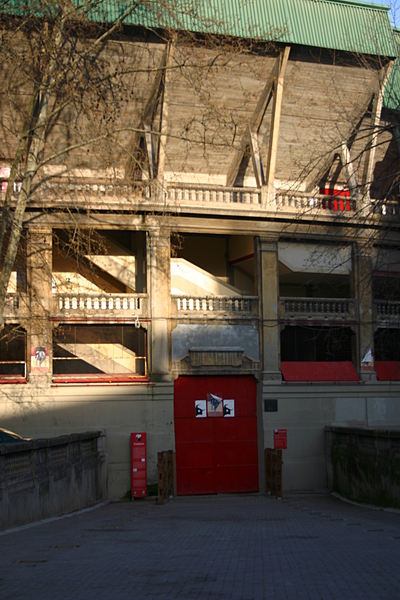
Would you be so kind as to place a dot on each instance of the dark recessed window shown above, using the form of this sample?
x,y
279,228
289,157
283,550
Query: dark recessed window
x,y
387,344
12,352
316,344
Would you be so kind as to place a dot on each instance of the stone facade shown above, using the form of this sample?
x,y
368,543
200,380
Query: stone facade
x,y
245,238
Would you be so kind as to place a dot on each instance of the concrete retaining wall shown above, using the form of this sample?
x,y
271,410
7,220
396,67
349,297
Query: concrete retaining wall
x,y
305,411
50,477
119,410
364,464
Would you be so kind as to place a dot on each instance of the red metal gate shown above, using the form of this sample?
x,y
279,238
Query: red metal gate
x,y
216,435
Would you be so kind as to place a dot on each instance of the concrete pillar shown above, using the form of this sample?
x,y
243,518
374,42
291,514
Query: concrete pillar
x,y
268,293
39,276
159,278
362,292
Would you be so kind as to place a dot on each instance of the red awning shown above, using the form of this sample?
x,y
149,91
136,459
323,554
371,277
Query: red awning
x,y
319,371
387,370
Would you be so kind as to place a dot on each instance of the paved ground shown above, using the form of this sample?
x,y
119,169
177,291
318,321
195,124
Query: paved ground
x,y
240,547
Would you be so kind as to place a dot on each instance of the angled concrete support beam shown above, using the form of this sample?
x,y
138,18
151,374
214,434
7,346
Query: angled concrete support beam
x,y
373,137
256,159
164,112
349,168
145,124
275,120
275,80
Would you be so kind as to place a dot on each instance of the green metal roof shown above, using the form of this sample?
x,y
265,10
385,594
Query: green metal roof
x,y
391,98
334,24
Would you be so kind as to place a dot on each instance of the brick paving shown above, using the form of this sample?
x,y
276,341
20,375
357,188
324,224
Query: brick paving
x,y
246,547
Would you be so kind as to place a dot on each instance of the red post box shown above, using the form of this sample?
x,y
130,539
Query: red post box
x,y
138,465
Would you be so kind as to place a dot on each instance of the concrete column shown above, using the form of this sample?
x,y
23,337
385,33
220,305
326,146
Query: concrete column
x,y
362,292
39,274
268,293
159,276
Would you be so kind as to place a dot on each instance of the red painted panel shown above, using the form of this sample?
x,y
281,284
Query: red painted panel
x,y
228,480
387,370
225,429
247,429
195,454
319,371
226,453
194,430
216,454
248,478
203,481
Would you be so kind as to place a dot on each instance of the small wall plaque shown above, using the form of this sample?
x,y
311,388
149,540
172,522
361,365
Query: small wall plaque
x,y
270,405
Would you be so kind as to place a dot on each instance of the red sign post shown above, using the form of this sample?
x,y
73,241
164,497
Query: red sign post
x,y
280,439
138,465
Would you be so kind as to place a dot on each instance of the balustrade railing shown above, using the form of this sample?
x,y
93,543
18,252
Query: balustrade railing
x,y
100,189
386,309
240,306
317,307
90,303
283,200
12,302
386,207
15,305
306,202
203,195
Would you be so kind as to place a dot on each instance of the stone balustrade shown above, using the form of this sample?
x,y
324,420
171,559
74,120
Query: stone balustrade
x,y
120,195
105,304
387,311
386,208
16,306
205,195
236,306
317,308
100,189
309,203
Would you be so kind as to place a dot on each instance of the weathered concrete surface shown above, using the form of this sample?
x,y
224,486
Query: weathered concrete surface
x,y
119,410
217,547
305,410
364,464
50,477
